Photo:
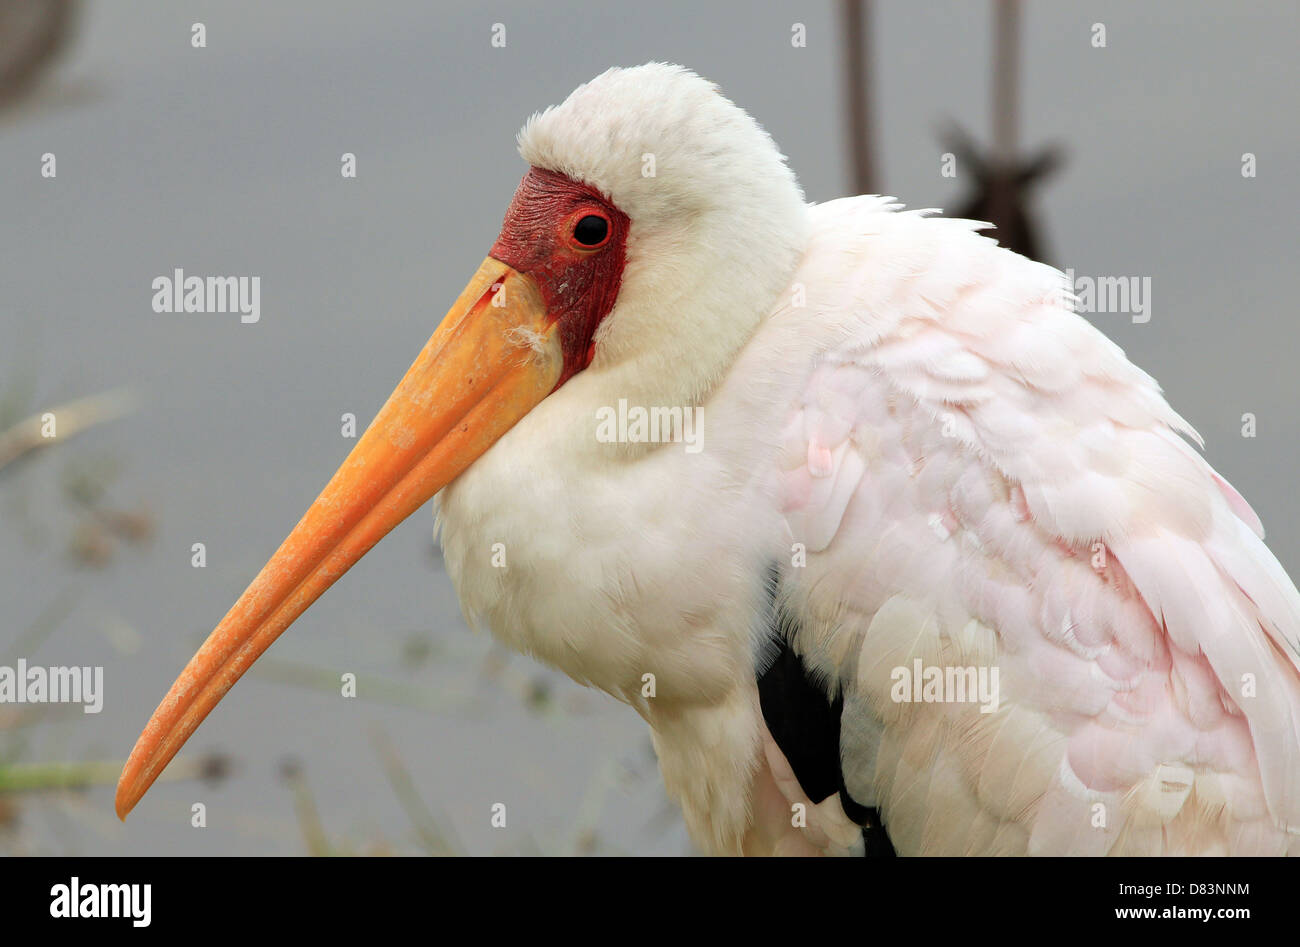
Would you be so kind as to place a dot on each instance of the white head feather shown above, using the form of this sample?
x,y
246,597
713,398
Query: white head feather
x,y
718,222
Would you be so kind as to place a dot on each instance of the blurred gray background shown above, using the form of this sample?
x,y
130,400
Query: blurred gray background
x,y
225,160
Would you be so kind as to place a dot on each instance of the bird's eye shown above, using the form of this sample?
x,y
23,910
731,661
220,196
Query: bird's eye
x,y
591,230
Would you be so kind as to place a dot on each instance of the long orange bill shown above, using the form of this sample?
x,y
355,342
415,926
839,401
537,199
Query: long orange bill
x,y
493,358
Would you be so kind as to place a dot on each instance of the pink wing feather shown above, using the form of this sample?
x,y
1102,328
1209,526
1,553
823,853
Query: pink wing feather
x,y
982,479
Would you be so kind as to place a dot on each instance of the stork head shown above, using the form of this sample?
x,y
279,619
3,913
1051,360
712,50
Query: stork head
x,y
653,231
717,221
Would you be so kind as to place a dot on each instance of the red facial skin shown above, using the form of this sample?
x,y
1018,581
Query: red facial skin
x,y
579,284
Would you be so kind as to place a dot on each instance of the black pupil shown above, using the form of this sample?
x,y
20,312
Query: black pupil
x,y
591,230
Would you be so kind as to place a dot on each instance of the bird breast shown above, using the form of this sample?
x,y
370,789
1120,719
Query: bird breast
x,y
612,563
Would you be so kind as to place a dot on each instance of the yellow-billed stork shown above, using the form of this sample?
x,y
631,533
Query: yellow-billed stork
x,y
922,477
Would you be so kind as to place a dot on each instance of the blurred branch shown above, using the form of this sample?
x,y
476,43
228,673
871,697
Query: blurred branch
x,y
304,804
32,35
1002,180
46,777
1006,99
435,840
69,419
369,687
1006,80
855,16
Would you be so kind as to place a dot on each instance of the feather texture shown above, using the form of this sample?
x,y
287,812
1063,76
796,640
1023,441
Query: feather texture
x,y
982,479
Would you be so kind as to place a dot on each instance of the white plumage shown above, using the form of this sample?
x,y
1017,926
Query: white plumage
x,y
944,462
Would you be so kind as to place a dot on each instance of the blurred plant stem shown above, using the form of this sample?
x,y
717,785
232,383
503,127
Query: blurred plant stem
x,y
369,687
855,27
433,838
304,806
68,420
48,777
